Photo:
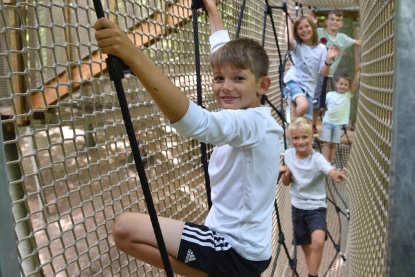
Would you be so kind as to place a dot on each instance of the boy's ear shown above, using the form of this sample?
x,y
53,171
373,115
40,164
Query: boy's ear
x,y
264,84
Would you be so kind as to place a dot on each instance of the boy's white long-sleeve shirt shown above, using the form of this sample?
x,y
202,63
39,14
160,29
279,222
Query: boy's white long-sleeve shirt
x,y
243,171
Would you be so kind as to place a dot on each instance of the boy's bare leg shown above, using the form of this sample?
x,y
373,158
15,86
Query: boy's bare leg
x,y
332,152
326,150
314,252
301,106
315,116
133,234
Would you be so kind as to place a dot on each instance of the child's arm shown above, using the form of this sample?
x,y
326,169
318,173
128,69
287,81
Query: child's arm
x,y
357,42
290,37
113,41
332,52
338,176
286,175
356,79
216,23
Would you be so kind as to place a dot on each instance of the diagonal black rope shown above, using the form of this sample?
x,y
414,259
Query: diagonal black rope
x,y
268,13
338,211
281,242
337,247
197,4
115,70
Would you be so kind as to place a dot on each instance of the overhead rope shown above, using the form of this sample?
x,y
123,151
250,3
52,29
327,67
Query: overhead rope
x,y
196,5
116,72
298,7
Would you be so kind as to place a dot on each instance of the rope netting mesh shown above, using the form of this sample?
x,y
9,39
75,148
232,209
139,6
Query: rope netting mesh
x,y
370,159
70,166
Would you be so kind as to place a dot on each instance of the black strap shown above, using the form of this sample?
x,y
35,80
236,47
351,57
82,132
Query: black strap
x,y
116,72
197,4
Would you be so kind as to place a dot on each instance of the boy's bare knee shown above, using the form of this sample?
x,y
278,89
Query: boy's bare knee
x,y
318,244
120,228
301,105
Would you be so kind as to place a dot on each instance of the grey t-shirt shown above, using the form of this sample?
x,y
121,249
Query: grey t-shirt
x,y
307,64
341,40
307,189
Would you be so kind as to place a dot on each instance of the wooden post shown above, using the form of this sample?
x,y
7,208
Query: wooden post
x,y
9,265
17,63
25,241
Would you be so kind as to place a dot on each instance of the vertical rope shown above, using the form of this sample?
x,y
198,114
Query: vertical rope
x,y
116,73
196,4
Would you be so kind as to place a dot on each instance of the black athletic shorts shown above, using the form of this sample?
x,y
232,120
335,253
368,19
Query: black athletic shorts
x,y
208,251
306,222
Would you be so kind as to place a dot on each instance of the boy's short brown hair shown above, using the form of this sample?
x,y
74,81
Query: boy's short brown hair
x,y
344,76
242,53
336,12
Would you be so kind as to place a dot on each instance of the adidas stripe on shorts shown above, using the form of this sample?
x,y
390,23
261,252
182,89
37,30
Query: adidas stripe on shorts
x,y
209,252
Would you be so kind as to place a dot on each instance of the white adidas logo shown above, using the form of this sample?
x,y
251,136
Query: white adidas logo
x,y
190,257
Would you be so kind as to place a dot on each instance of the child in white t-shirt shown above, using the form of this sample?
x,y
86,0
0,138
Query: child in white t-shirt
x,y
235,239
337,114
305,169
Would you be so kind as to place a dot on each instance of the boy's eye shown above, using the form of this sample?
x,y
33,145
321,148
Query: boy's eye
x,y
239,78
218,78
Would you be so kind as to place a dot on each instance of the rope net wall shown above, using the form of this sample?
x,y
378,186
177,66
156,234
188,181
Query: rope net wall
x,y
370,158
70,165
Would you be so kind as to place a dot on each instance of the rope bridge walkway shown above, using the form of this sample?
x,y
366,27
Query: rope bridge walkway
x,y
70,162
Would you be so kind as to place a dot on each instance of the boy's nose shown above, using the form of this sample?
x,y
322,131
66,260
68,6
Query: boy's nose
x,y
226,85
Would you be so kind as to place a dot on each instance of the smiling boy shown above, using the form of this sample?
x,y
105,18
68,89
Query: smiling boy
x,y
235,239
337,114
305,169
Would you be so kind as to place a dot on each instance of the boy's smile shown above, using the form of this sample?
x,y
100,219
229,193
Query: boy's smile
x,y
237,88
334,22
301,140
342,85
